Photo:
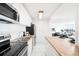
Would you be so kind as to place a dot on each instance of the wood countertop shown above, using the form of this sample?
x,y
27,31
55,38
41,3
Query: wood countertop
x,y
63,46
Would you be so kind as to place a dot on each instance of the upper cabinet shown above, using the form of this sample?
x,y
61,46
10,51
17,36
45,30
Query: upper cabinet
x,y
13,18
24,18
14,13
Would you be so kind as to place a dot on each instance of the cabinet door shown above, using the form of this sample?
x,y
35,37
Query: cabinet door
x,y
30,47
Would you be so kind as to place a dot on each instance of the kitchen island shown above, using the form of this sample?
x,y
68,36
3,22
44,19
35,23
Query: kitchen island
x,y
63,46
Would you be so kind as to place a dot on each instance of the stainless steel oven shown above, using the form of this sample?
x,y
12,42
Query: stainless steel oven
x,y
4,44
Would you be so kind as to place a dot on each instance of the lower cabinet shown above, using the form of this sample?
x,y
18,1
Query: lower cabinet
x,y
23,52
30,46
28,49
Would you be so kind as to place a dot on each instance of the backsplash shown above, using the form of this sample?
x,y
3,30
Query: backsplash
x,y
14,35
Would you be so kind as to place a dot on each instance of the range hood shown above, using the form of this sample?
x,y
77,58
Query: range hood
x,y
8,14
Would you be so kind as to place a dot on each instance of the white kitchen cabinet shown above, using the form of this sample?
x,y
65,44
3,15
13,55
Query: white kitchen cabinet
x,y
30,46
25,19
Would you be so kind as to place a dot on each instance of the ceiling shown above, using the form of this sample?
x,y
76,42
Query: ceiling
x,y
56,12
65,14
48,9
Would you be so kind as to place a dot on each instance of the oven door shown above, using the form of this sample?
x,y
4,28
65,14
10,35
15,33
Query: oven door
x,y
4,46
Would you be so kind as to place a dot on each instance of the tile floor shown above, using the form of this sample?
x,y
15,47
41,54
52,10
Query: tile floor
x,y
43,48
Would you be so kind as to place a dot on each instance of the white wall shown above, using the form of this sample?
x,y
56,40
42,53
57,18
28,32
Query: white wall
x,y
11,28
41,26
41,29
77,24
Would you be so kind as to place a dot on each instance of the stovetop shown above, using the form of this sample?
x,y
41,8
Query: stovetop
x,y
15,49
